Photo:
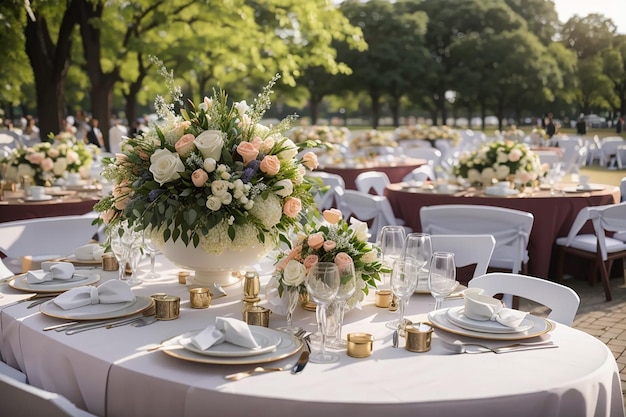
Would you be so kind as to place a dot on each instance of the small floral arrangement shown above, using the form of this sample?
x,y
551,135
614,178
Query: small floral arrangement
x,y
513,133
330,240
46,162
212,176
504,160
324,134
429,133
373,138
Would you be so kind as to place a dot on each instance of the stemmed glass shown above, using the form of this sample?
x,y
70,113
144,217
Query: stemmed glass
x,y
122,240
292,300
152,250
391,243
136,253
403,283
347,287
419,247
322,284
441,276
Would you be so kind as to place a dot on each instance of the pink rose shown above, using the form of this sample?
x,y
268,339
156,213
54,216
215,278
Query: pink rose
x,y
329,245
108,215
184,146
293,255
143,155
332,216
257,142
316,240
199,177
292,207
47,164
309,160
342,258
309,261
247,151
270,165
35,158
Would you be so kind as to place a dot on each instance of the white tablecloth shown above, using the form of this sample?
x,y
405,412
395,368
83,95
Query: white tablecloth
x,y
109,372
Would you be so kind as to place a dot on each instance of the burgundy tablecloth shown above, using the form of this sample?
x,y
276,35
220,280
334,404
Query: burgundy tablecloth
x,y
554,215
15,210
396,172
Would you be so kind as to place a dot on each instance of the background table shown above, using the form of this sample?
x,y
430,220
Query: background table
x,y
109,371
554,215
395,171
16,208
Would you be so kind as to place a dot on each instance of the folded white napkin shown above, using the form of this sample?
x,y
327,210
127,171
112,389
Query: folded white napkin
x,y
89,252
482,308
50,271
113,291
226,329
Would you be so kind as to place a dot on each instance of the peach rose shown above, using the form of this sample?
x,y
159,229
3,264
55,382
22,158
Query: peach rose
x,y
293,255
47,164
184,146
35,158
332,216
199,177
309,160
247,151
329,245
257,142
292,207
270,165
342,258
309,261
316,240
108,215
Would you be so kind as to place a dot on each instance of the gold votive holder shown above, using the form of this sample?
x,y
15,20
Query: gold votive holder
x,y
251,284
257,316
109,263
199,297
182,277
167,307
418,337
383,298
360,345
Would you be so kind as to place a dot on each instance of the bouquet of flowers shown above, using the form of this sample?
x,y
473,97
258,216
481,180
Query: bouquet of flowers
x,y
324,134
505,160
429,133
373,138
212,176
46,162
331,240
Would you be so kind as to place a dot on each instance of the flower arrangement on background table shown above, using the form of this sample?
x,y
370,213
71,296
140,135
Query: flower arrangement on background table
x,y
429,133
212,176
502,160
324,134
513,133
47,162
372,139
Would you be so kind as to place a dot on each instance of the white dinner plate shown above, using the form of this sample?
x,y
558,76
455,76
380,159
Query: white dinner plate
x,y
42,198
579,189
74,260
439,319
266,338
456,316
500,192
288,345
56,285
97,311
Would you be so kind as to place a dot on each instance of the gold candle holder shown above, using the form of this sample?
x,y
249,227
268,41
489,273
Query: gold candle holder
x,y
199,297
109,263
383,298
182,277
257,316
167,307
360,345
418,337
251,285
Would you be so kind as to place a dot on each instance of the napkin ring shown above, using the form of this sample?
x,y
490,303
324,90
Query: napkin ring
x,y
360,345
418,337
199,297
109,263
167,307
257,316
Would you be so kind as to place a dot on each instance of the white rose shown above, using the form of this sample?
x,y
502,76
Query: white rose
x,y
227,199
209,165
294,273
290,150
488,174
213,203
287,188
165,166
360,229
242,107
473,175
219,188
210,144
60,166
502,171
369,257
502,157
27,170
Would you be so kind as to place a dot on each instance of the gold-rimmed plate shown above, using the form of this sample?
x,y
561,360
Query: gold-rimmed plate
x,y
80,278
97,311
73,259
439,319
287,346
267,339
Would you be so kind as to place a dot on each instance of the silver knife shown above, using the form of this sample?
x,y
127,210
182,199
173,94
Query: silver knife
x,y
301,363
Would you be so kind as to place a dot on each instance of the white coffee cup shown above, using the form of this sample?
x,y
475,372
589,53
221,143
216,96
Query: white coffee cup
x,y
37,192
584,181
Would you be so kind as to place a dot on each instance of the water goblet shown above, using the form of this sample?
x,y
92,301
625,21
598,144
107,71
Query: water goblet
x,y
293,296
441,276
152,250
391,242
403,282
136,253
419,246
347,288
322,284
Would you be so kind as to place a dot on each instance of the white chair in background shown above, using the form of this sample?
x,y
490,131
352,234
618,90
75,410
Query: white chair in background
x,y
328,199
18,399
561,300
549,157
620,156
421,173
622,189
372,180
37,240
432,155
468,250
608,148
597,247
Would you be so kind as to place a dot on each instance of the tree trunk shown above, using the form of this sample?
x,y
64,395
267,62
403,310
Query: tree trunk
x,y
314,108
375,97
394,106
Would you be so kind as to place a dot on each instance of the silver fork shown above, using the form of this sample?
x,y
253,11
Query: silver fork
x,y
460,347
257,370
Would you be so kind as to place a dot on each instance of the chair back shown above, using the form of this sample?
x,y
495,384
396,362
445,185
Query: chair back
x,y
431,155
609,218
421,173
511,229
467,249
622,189
375,180
562,301
328,199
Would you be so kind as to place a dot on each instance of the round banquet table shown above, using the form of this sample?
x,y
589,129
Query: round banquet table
x,y
553,215
396,171
15,207
111,372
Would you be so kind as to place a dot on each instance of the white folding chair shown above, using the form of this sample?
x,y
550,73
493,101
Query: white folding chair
x,y
619,156
375,180
561,300
622,189
597,247
37,240
421,173
431,155
327,200
18,399
608,147
468,250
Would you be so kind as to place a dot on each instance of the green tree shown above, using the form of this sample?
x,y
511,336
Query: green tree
x,y
588,35
614,69
540,16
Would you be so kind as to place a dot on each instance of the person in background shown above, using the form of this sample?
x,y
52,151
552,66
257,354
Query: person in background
x,y
550,127
81,125
581,126
94,135
31,131
619,126
116,134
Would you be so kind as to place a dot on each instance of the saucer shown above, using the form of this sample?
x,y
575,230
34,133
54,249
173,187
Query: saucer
x,y
44,197
499,191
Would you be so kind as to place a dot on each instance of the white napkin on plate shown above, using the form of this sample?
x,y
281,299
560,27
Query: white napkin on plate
x,y
113,291
226,329
51,270
89,252
482,308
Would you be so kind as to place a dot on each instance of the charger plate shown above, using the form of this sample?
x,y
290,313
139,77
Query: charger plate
x,y
20,283
267,339
439,319
97,311
288,346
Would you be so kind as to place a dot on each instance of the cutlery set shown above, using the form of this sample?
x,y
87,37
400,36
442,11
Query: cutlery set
x,y
472,348
295,369
74,327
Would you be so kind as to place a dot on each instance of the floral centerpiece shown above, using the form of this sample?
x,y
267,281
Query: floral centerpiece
x,y
429,133
373,138
46,162
325,134
513,133
211,177
503,160
330,240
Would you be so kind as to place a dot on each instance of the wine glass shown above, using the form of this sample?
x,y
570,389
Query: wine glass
x,y
322,284
391,243
403,282
152,250
441,276
347,288
136,253
292,300
419,247
121,239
